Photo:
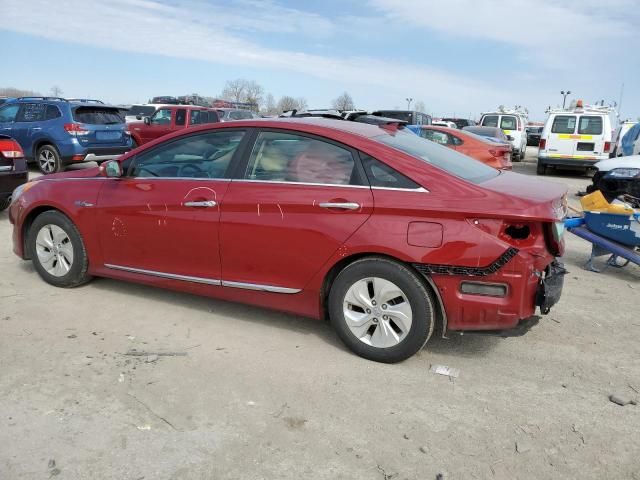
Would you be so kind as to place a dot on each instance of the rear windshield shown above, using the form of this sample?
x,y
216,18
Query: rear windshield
x,y
97,115
442,157
564,124
508,123
405,116
143,110
490,121
240,115
590,125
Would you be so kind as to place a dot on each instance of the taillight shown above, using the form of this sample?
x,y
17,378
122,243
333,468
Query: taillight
x,y
75,129
9,148
607,147
543,144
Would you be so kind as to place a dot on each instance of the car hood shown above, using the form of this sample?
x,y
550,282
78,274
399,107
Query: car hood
x,y
632,161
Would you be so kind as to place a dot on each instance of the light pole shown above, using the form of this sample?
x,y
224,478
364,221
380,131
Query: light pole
x,y
564,96
409,100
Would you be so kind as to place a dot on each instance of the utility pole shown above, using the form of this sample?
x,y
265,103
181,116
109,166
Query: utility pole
x,y
409,100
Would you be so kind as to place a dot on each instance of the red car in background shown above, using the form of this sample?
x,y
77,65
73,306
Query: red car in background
x,y
169,119
13,169
496,155
386,234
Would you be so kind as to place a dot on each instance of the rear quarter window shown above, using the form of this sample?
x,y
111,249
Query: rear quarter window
x,y
564,124
97,115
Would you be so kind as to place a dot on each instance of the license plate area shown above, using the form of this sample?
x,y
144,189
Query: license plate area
x,y
585,147
108,135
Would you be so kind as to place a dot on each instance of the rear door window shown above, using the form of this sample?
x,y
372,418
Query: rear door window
x,y
97,115
198,117
508,122
435,136
490,121
52,112
564,124
285,157
32,112
382,175
590,125
181,116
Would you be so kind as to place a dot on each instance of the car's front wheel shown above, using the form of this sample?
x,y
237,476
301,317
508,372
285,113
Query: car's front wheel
x,y
381,309
57,250
49,160
4,203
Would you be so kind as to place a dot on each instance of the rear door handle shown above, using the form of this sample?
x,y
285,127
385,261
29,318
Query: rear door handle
x,y
202,204
36,128
342,205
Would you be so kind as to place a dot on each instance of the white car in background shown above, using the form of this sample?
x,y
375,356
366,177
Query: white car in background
x,y
444,123
619,134
513,123
137,112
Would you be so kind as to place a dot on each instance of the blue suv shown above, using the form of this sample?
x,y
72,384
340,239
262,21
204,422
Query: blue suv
x,y
55,132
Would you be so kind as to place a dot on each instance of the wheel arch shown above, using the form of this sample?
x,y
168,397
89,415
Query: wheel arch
x,y
41,143
28,221
332,273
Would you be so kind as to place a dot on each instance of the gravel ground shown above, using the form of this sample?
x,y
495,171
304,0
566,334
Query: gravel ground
x,y
263,395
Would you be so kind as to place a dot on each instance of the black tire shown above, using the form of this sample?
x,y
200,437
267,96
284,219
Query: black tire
x,y
4,203
418,295
541,168
48,160
77,274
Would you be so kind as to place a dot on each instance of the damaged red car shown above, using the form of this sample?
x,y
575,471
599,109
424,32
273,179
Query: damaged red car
x,y
387,235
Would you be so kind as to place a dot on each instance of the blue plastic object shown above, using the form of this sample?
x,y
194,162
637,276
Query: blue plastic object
x,y
620,228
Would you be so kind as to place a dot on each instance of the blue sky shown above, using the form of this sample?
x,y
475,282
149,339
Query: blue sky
x,y
458,56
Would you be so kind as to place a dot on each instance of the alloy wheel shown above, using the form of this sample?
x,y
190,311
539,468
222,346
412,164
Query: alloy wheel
x,y
377,312
47,161
54,250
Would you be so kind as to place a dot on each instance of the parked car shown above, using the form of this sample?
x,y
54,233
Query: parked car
x,y
461,122
410,116
629,140
512,123
168,119
493,134
56,132
488,152
4,99
444,123
575,138
618,136
13,169
280,213
167,100
617,176
533,136
136,113
229,114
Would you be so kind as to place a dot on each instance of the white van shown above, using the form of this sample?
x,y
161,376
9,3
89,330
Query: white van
x,y
513,124
621,131
575,138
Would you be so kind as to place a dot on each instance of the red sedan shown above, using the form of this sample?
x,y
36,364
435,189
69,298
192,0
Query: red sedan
x,y
496,155
386,234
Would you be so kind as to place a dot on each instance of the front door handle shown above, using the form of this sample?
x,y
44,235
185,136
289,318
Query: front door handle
x,y
202,204
341,205
36,128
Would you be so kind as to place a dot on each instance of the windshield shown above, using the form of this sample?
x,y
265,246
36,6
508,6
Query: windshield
x,y
97,115
143,110
442,157
490,121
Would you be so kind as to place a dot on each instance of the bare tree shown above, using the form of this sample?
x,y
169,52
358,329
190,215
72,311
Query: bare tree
x,y
344,102
253,94
302,103
420,106
270,107
56,91
235,90
287,103
17,92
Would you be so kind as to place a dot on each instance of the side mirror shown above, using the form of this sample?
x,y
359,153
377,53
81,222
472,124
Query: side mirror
x,y
138,117
510,138
147,121
111,169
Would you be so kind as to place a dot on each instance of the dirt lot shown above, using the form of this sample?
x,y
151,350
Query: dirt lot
x,y
263,395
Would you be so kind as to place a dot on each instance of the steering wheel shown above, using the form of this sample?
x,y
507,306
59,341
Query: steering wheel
x,y
196,171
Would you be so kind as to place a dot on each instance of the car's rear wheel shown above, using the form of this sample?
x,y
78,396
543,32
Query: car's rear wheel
x,y
4,203
49,159
381,309
57,250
